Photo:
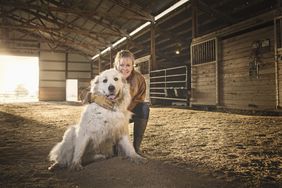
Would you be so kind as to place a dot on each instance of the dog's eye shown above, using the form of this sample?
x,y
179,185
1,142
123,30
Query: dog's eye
x,y
105,80
115,79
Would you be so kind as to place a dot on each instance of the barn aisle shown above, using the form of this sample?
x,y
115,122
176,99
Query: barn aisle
x,y
186,148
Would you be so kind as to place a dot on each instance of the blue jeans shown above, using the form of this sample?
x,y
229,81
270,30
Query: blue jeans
x,y
141,111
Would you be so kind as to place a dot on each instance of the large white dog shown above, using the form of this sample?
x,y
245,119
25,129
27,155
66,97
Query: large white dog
x,y
98,124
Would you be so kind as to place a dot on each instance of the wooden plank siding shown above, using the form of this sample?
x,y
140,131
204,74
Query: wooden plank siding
x,y
52,93
238,89
52,82
80,68
203,81
204,84
280,81
56,68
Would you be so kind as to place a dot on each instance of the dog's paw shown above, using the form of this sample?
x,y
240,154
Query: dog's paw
x,y
98,157
76,167
54,167
137,159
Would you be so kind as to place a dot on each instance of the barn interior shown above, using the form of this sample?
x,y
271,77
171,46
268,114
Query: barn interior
x,y
206,54
77,39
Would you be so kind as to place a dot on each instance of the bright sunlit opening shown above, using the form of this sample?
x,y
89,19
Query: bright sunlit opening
x,y
19,78
72,90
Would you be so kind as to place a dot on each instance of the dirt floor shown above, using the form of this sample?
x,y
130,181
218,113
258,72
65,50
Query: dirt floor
x,y
186,148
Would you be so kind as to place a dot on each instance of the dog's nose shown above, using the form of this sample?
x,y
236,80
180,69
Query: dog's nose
x,y
111,88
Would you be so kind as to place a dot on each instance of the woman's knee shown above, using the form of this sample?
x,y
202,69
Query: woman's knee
x,y
142,110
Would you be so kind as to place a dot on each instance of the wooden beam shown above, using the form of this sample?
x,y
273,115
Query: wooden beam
x,y
254,21
129,6
171,36
175,13
111,57
153,47
143,47
92,69
55,36
99,63
84,14
194,18
219,15
66,65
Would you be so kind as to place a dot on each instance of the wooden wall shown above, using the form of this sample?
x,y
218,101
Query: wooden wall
x,y
203,80
79,67
204,84
279,78
52,80
56,68
232,80
238,88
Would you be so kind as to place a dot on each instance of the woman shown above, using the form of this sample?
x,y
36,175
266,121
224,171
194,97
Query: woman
x,y
124,63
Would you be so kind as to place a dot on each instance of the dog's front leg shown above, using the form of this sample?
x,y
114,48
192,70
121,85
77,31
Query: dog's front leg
x,y
129,151
80,145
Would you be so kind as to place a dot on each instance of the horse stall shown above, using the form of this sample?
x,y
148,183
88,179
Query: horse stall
x,y
239,67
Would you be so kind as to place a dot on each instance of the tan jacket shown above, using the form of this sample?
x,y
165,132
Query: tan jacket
x,y
137,88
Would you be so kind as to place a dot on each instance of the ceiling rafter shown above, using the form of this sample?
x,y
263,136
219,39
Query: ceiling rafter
x,y
85,14
101,18
130,6
74,24
69,43
66,27
213,11
159,53
54,38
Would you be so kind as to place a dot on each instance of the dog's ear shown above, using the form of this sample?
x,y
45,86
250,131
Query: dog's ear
x,y
94,83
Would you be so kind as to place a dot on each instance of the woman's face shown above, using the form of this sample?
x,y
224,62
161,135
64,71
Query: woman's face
x,y
125,66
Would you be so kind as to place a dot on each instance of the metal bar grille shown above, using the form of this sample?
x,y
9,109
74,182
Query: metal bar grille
x,y
204,52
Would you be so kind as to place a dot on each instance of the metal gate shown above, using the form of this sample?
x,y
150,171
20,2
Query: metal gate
x,y
169,84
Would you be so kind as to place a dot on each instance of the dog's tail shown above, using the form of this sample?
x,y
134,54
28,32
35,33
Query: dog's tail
x,y
62,152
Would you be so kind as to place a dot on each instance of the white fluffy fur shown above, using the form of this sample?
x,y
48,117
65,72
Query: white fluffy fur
x,y
98,124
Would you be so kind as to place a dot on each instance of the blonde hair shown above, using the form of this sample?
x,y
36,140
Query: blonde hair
x,y
123,54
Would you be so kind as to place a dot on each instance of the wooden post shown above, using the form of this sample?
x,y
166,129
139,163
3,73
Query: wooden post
x,y
99,63
194,35
127,43
194,18
217,72
276,38
66,73
66,65
191,76
153,47
91,68
110,56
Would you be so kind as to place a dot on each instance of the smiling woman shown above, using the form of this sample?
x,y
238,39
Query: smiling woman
x,y
19,78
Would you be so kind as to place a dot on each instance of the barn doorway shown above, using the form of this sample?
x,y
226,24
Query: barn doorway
x,y
72,90
19,78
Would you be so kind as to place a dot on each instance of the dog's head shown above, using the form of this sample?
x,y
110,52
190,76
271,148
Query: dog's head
x,y
109,83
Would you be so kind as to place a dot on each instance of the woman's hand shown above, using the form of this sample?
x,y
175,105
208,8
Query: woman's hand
x,y
102,101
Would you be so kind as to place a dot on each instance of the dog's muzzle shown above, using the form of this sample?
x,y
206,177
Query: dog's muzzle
x,y
112,92
111,88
